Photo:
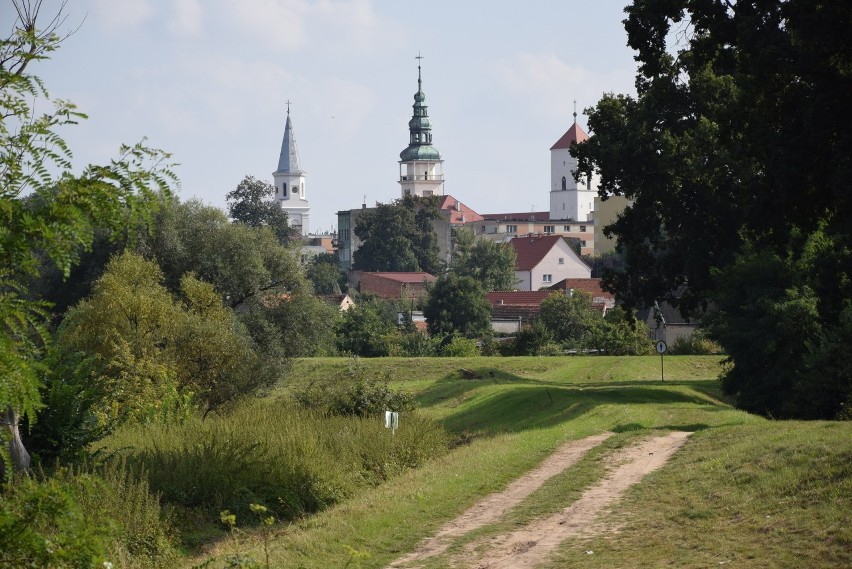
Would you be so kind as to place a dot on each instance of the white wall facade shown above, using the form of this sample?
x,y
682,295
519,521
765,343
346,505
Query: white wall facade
x,y
569,200
421,178
561,262
290,193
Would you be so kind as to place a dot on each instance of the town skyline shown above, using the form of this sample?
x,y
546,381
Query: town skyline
x,y
209,83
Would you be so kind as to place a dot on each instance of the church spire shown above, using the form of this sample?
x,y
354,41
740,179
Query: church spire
x,y
421,170
290,181
420,127
288,161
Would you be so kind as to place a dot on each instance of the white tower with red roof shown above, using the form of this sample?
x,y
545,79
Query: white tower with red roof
x,y
569,200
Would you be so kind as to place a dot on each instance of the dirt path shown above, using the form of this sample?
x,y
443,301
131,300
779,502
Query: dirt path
x,y
492,507
532,544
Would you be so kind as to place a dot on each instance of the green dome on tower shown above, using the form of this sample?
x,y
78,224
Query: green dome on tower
x,y
420,129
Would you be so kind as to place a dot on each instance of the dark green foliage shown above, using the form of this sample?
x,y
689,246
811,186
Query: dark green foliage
x,y
362,331
325,274
572,319
736,142
68,424
622,334
788,343
398,236
487,262
457,305
531,340
293,326
253,203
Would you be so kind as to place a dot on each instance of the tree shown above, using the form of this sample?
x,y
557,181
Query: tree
x,y
56,221
737,155
572,319
297,324
253,203
153,352
362,331
457,305
325,274
398,236
490,263
241,261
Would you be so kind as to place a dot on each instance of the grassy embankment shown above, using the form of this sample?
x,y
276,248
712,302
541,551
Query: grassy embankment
x,y
743,491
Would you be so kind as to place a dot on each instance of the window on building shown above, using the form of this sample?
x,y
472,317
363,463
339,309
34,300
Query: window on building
x,y
564,183
567,229
562,259
583,244
284,190
547,278
582,229
511,229
549,228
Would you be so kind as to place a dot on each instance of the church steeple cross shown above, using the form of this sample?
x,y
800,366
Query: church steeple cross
x,y
288,107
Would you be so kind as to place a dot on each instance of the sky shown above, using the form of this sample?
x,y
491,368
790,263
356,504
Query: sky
x,y
208,81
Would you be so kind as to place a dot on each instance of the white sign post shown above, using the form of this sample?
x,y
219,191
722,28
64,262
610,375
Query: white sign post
x,y
661,349
392,421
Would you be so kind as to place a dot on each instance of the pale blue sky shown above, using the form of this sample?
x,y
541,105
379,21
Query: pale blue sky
x,y
207,81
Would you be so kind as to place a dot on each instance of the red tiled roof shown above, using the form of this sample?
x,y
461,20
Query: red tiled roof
x,y
529,251
518,297
404,277
575,134
459,213
522,216
590,286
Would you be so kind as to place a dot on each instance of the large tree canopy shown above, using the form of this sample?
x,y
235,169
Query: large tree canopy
x,y
490,263
46,211
398,236
253,203
736,151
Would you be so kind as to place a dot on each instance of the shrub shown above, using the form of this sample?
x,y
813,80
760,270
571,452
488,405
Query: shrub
x,y
144,537
41,525
459,347
353,392
696,344
530,340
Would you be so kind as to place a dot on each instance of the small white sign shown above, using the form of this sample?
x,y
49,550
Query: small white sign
x,y
392,420
661,347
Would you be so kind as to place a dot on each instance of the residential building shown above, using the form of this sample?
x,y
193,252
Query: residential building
x,y
600,298
543,260
511,310
605,213
505,226
391,285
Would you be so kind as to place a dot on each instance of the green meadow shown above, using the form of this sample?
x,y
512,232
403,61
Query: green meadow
x,y
743,491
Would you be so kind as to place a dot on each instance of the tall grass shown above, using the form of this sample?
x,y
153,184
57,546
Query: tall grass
x,y
293,461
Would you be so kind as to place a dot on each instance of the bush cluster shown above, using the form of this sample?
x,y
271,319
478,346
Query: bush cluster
x,y
293,460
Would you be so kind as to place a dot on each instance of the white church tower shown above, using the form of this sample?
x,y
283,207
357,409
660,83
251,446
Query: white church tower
x,y
569,200
290,181
421,170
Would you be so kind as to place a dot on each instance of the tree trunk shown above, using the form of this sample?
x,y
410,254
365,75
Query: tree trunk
x,y
17,452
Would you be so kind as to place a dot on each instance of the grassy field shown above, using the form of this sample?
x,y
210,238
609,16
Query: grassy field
x,y
743,491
